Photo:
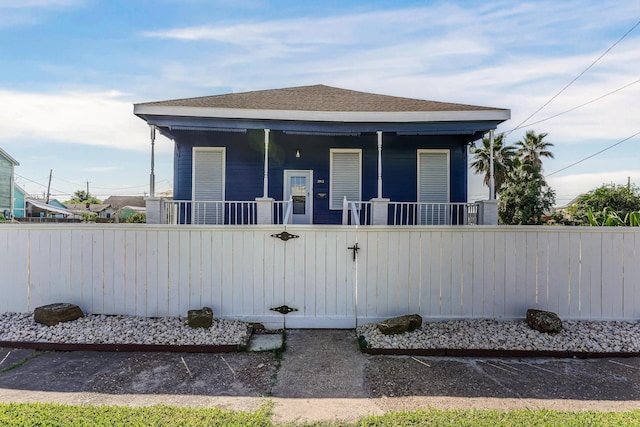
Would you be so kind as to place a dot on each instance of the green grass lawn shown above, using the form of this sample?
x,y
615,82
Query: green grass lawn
x,y
53,415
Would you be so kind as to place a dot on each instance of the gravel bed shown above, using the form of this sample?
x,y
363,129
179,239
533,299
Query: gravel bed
x,y
100,329
576,336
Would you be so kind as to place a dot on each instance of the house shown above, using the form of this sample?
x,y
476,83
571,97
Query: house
x,y
19,201
323,155
124,206
102,210
35,208
7,174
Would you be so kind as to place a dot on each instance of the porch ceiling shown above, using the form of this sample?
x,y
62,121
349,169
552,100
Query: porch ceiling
x,y
168,124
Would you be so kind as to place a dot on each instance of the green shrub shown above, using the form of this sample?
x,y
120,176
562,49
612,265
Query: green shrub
x,y
136,218
89,216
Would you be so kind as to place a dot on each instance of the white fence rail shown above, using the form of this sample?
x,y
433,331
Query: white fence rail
x,y
243,272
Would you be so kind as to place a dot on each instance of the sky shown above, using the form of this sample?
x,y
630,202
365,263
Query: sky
x,y
71,70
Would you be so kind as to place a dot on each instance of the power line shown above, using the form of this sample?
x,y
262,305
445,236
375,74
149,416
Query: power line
x,y
578,76
576,107
593,155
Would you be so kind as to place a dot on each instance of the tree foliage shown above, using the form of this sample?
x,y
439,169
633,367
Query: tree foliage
x,y
602,201
504,157
533,147
526,196
81,196
89,216
136,218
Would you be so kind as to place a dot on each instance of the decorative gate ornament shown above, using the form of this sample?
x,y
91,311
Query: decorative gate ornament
x,y
284,236
284,309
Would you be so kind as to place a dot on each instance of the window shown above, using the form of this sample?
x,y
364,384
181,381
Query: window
x,y
208,185
433,186
345,176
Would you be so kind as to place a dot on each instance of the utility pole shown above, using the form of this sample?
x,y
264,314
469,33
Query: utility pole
x,y
87,189
49,187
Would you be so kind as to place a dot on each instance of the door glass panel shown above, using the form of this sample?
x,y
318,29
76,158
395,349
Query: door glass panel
x,y
299,194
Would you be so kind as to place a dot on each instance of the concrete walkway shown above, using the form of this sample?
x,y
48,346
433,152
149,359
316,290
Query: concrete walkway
x,y
322,376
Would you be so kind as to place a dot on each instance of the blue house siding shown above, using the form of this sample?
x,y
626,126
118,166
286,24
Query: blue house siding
x,y
245,164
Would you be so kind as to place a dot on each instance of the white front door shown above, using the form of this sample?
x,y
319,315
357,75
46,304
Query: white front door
x,y
298,184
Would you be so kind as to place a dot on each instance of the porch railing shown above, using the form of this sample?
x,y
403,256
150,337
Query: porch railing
x,y
356,213
209,212
417,213
353,213
282,211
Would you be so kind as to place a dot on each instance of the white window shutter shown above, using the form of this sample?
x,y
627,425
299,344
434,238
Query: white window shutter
x,y
208,185
346,177
433,186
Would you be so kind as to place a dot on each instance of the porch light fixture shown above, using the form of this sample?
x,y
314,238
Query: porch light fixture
x,y
297,153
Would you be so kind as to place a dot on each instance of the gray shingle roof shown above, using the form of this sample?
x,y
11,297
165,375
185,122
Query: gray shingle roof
x,y
316,98
118,202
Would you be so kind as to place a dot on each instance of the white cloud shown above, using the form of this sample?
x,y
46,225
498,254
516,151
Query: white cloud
x,y
86,118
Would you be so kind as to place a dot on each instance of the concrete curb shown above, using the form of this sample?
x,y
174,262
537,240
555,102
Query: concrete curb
x,y
123,347
446,352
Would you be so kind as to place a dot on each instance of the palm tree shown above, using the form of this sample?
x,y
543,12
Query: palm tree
x,y
504,157
533,147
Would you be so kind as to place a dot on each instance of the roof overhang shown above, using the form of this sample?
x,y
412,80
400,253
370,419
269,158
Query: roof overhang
x,y
50,208
8,157
169,126
324,116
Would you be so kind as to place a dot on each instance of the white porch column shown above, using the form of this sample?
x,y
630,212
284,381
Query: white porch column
x,y
264,204
152,177
379,164
379,206
487,212
265,189
492,181
154,210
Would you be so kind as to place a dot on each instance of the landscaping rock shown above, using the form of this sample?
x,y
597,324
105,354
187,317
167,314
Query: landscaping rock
x,y
202,318
53,314
544,321
398,325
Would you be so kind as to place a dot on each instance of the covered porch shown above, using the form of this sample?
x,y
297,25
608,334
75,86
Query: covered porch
x,y
269,211
317,155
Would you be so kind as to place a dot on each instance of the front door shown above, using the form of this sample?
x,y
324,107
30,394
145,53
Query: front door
x,y
298,184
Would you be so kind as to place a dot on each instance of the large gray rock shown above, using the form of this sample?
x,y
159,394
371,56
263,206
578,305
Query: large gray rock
x,y
398,325
543,321
53,314
202,318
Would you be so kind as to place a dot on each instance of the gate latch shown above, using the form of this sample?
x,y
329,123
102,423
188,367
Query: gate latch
x,y
355,248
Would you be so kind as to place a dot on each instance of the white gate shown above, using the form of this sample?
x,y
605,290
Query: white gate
x,y
316,273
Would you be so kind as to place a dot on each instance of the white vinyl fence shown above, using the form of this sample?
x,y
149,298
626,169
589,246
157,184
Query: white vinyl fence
x,y
243,272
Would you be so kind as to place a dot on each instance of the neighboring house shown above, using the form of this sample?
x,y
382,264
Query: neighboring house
x,y
40,209
103,210
19,201
127,211
124,206
322,144
7,177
